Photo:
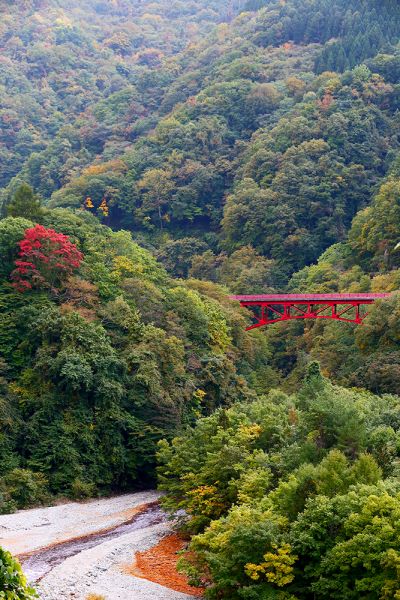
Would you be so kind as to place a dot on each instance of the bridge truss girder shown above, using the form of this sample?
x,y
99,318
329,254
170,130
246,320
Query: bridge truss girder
x,y
276,312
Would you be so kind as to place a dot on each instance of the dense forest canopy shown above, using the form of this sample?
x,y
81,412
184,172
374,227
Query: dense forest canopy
x,y
291,497
103,354
221,139
215,133
190,129
154,158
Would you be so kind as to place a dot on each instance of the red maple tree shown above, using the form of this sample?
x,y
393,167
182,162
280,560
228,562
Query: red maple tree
x,y
45,260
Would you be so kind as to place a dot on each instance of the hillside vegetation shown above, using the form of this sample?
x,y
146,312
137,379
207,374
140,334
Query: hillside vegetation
x,y
154,158
102,355
234,139
292,496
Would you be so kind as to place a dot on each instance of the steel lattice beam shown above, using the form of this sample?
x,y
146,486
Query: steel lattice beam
x,y
287,307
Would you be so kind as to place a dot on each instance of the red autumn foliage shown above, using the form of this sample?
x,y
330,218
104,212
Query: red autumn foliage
x,y
46,259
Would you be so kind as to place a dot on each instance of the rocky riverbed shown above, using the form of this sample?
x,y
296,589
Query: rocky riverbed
x,y
76,549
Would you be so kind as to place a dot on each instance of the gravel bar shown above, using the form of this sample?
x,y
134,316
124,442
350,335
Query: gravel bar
x,y
99,569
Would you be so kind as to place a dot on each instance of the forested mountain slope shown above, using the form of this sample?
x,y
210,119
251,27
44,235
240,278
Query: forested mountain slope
x,y
102,355
350,31
59,59
154,158
253,145
165,131
225,145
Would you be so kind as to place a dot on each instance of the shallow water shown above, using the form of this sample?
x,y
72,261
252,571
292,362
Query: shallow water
x,y
40,562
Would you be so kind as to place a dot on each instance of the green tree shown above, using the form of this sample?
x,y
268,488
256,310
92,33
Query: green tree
x,y
26,204
375,232
177,255
12,231
156,185
25,488
349,544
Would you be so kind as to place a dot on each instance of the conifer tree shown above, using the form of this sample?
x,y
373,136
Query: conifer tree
x,y
26,204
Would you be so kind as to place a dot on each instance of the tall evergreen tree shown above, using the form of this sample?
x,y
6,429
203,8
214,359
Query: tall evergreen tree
x,y
25,203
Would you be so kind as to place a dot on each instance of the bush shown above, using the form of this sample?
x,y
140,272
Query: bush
x,y
22,488
82,489
13,585
7,505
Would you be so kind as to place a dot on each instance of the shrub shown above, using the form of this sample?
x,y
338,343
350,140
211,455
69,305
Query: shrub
x,y
82,489
23,488
13,585
7,505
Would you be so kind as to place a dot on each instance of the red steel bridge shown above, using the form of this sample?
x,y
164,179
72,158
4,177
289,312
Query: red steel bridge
x,y
274,308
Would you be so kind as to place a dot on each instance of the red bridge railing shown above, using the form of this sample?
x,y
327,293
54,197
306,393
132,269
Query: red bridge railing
x,y
274,308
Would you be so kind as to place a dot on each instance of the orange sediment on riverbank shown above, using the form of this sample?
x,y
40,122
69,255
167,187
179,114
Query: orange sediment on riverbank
x,y
158,564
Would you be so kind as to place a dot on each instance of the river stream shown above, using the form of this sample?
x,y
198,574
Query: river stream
x,y
40,562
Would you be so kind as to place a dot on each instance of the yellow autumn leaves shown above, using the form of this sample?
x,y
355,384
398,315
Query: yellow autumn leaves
x,y
103,207
277,567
